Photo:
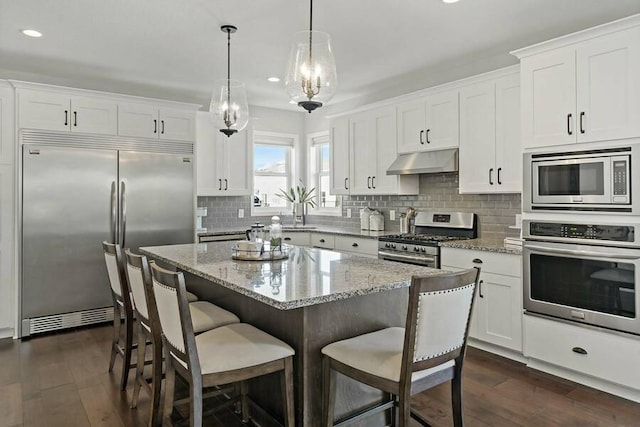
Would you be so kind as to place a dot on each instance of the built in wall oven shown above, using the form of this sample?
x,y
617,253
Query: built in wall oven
x,y
587,273
597,180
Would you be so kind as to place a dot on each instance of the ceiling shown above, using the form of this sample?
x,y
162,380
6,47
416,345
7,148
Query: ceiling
x,y
174,48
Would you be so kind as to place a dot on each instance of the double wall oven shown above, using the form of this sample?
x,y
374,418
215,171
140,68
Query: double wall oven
x,y
581,248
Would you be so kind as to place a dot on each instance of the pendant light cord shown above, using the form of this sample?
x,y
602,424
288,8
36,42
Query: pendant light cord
x,y
228,70
309,90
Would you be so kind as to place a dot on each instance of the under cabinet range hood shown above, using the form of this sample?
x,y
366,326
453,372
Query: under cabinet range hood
x,y
425,162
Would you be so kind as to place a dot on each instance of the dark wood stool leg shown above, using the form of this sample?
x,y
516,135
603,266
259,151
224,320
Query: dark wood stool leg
x,y
139,377
169,383
287,393
456,398
328,392
195,403
156,384
128,348
244,405
117,319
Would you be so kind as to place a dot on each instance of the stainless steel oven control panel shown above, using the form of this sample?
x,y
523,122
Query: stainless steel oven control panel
x,y
599,234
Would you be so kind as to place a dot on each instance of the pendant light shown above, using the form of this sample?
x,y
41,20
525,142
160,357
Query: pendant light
x,y
311,77
229,99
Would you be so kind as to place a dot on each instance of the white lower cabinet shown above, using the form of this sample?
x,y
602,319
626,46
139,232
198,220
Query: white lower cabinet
x,y
605,355
323,240
497,315
7,247
357,245
297,238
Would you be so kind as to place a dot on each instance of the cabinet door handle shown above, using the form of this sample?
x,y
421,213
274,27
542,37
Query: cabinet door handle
x,y
162,124
355,245
155,126
428,130
579,350
66,117
480,294
321,240
345,184
477,261
421,137
287,239
491,176
368,182
499,182
226,184
569,131
219,184
75,118
581,122
373,183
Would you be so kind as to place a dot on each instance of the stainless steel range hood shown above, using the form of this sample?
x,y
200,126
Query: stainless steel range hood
x,y
426,162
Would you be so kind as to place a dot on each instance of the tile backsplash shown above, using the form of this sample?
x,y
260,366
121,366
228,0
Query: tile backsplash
x,y
496,212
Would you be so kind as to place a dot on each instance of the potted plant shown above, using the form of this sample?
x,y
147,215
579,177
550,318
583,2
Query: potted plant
x,y
300,198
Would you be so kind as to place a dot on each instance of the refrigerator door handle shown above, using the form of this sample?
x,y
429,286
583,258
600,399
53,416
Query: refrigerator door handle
x,y
123,214
114,212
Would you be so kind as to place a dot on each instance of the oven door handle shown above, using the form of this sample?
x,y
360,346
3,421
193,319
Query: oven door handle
x,y
579,252
397,257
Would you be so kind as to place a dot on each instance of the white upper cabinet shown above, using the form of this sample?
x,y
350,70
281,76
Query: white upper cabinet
x,y
372,150
490,140
61,112
339,152
429,123
585,90
149,121
222,163
7,141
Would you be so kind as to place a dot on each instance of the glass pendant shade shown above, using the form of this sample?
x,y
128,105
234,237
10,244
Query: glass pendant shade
x,y
311,78
229,108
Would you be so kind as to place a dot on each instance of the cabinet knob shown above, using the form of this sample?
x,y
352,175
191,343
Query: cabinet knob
x,y
579,350
321,240
287,239
477,261
355,245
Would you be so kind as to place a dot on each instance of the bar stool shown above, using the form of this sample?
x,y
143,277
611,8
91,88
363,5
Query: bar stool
x,y
428,351
225,355
206,316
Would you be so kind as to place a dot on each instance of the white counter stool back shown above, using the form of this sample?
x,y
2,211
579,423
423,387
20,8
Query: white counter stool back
x,y
205,315
428,351
225,355
122,308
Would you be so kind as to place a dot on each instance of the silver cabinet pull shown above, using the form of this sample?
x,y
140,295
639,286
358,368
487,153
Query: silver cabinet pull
x,y
123,214
114,212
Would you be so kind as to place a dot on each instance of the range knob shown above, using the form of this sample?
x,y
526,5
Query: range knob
x,y
386,245
417,249
393,245
423,250
404,247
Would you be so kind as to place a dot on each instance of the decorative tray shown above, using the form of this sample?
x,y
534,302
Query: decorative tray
x,y
266,254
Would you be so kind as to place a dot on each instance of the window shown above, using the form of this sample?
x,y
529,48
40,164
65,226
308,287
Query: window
x,y
319,172
273,170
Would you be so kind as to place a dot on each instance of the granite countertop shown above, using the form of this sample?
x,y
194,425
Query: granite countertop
x,y
309,276
489,245
308,229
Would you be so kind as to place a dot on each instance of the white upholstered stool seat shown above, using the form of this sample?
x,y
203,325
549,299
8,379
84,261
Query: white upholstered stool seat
x,y
206,316
377,353
191,297
238,346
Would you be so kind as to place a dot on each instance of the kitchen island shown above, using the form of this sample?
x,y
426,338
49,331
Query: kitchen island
x,y
309,300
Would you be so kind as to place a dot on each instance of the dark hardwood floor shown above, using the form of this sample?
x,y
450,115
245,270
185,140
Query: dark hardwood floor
x,y
62,380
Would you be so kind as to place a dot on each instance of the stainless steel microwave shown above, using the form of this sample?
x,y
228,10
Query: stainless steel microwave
x,y
594,180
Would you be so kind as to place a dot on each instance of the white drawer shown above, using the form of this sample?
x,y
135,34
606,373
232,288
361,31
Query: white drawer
x,y
359,245
297,238
321,240
491,262
609,356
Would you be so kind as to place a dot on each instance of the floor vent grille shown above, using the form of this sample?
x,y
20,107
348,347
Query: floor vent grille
x,y
39,325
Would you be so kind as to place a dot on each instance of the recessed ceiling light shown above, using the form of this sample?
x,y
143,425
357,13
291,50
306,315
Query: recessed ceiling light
x,y
274,79
293,102
31,33
449,1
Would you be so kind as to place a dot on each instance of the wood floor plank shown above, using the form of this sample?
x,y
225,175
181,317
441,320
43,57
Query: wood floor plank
x,y
99,408
10,405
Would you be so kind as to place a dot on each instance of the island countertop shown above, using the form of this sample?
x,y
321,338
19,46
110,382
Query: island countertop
x,y
309,276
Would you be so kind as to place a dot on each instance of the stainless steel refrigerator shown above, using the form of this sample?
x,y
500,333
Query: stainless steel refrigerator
x,y
78,191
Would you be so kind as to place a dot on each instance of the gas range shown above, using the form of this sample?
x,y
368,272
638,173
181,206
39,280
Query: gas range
x,y
431,228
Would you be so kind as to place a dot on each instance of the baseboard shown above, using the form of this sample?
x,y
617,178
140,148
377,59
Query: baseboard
x,y
500,351
6,333
597,383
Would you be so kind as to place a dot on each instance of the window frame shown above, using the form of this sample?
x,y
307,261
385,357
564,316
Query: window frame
x,y
314,168
273,139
